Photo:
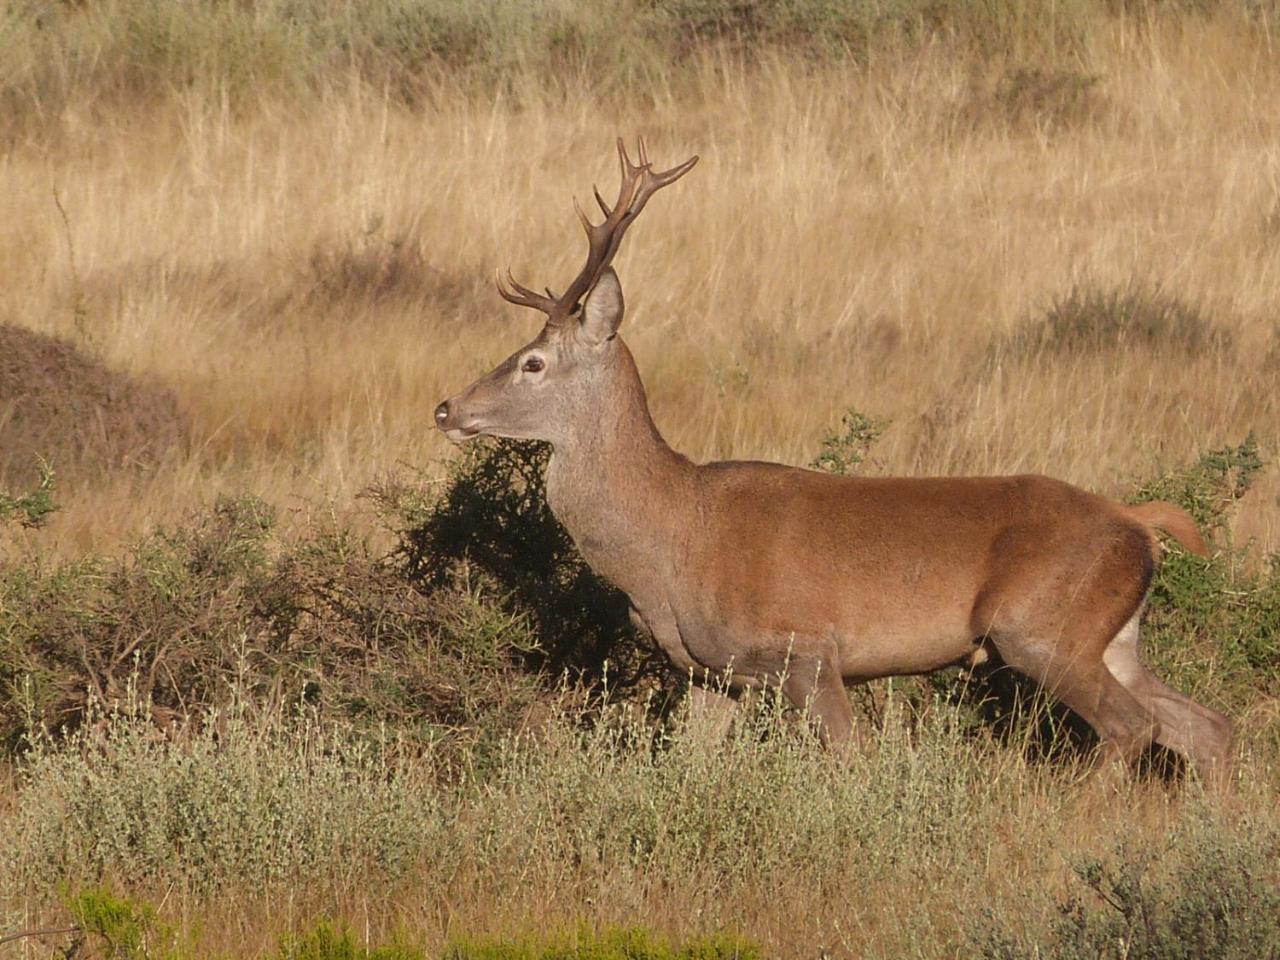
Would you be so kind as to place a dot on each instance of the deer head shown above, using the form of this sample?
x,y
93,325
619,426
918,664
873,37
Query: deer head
x,y
558,382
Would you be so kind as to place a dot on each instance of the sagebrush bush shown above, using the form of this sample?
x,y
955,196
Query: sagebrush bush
x,y
261,799
1208,894
283,798
58,55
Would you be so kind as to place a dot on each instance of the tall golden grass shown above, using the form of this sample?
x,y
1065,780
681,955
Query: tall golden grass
x,y
311,274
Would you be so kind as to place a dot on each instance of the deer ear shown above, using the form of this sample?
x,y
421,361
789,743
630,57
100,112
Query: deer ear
x,y
602,311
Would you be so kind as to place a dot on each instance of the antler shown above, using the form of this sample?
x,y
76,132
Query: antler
x,y
639,183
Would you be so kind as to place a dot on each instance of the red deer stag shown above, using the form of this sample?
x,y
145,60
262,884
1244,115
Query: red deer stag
x,y
774,574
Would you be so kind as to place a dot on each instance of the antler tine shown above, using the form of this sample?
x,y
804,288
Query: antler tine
x,y
604,207
515,292
639,183
623,160
649,183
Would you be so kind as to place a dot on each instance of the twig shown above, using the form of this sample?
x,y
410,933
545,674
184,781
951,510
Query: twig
x,y
50,931
71,244
78,311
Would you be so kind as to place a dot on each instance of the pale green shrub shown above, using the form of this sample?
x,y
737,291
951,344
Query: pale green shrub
x,y
230,801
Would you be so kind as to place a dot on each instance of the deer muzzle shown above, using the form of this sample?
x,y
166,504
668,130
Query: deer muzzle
x,y
455,427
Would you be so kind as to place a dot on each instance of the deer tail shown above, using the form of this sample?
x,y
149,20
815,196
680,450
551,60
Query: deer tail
x,y
1174,521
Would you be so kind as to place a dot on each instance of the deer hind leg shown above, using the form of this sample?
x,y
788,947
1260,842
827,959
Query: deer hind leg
x,y
1201,735
1076,675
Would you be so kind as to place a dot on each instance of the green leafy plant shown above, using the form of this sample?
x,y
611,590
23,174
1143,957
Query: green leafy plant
x,y
1213,624
842,451
31,509
118,928
328,941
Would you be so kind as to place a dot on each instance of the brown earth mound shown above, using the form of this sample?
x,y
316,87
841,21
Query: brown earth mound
x,y
84,419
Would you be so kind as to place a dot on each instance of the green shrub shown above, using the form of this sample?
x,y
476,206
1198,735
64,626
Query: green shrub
x,y
1213,624
613,944
119,928
1208,488
327,941
31,509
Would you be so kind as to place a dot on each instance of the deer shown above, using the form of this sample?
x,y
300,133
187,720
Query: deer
x,y
807,581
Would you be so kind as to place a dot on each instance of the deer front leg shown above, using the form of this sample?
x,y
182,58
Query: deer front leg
x,y
709,712
809,676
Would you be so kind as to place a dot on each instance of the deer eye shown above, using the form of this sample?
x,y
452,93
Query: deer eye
x,y
532,365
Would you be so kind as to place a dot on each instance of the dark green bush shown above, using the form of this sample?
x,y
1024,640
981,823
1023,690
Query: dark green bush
x,y
493,527
1090,320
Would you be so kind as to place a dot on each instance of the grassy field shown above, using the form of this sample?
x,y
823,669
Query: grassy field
x,y
310,271
1021,238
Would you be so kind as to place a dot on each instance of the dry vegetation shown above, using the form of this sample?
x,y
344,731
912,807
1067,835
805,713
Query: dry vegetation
x,y
1027,239
311,276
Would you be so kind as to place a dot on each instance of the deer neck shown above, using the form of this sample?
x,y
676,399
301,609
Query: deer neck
x,y
617,487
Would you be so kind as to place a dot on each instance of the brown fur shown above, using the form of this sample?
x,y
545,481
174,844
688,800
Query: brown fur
x,y
769,574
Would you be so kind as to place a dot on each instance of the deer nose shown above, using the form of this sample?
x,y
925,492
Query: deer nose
x,y
442,414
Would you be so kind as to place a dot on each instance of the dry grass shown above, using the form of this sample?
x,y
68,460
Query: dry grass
x,y
311,281
308,271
